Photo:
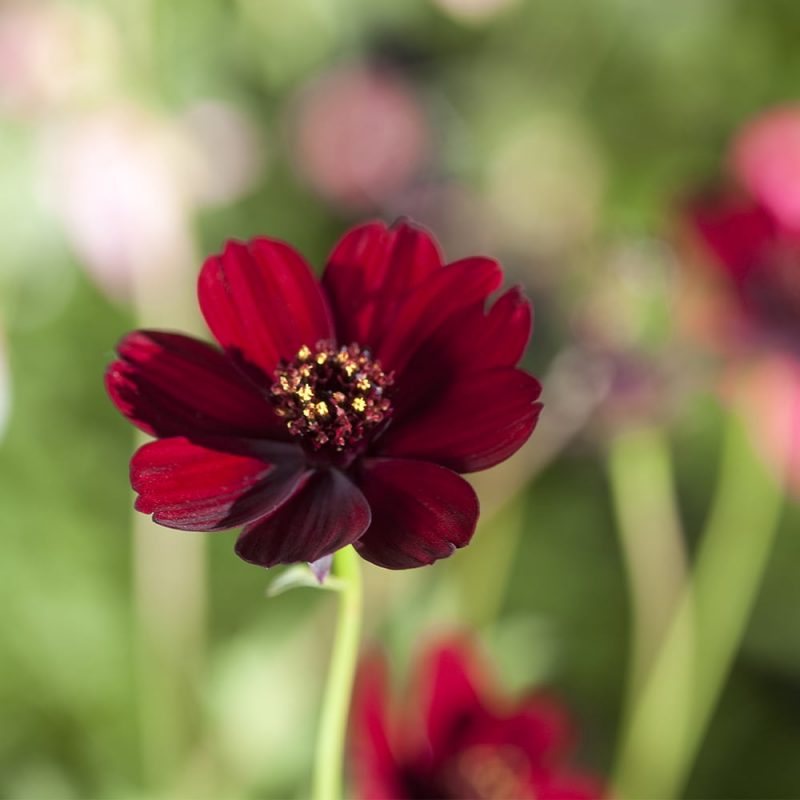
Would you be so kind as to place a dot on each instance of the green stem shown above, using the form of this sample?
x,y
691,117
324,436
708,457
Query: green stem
x,y
675,707
329,759
730,566
651,538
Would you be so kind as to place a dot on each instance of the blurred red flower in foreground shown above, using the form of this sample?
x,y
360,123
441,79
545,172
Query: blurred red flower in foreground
x,y
463,742
337,412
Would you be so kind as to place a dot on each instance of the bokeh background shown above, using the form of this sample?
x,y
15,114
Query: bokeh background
x,y
137,135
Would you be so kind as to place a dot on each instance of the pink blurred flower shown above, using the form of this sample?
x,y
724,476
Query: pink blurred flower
x,y
750,235
766,158
126,182
51,52
768,391
118,193
456,738
359,135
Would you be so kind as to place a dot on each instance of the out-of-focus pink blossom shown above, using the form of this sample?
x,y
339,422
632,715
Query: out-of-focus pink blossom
x,y
766,158
748,304
118,193
125,183
359,135
768,390
51,52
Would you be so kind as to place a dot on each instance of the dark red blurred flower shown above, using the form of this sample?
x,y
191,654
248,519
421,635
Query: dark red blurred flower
x,y
752,232
457,739
337,412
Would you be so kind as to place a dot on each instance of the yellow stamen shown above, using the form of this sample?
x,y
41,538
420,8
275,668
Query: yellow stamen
x,y
305,392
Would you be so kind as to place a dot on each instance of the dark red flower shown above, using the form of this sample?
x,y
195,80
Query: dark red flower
x,y
752,231
337,412
457,740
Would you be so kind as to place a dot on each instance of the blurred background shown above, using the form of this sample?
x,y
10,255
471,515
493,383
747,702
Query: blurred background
x,y
560,137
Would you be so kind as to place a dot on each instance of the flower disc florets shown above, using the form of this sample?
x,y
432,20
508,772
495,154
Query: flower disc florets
x,y
331,397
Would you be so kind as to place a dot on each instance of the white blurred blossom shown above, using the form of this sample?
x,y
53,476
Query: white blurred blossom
x,y
125,183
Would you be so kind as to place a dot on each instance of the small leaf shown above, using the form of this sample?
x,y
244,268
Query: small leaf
x,y
299,576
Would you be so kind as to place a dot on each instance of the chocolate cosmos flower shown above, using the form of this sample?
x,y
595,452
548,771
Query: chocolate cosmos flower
x,y
753,231
334,413
457,740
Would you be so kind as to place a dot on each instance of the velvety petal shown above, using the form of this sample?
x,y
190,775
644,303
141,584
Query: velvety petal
x,y
451,290
168,384
539,727
186,486
737,232
565,784
478,421
451,696
370,270
420,512
471,341
376,772
262,302
327,514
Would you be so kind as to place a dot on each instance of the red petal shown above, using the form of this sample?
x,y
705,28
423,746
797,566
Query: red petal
x,y
168,385
738,233
451,351
194,488
262,302
478,421
327,514
450,695
566,784
420,512
368,272
376,773
449,291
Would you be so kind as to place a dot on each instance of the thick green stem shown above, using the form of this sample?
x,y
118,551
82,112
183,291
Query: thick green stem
x,y
651,539
675,707
331,737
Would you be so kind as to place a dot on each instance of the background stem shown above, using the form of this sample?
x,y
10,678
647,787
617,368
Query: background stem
x,y
651,538
332,733
674,709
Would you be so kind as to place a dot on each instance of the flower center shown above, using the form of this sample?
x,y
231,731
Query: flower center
x,y
490,772
331,398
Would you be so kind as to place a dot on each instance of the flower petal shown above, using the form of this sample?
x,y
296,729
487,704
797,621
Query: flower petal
x,y
449,291
368,272
168,384
450,693
421,512
186,486
478,421
262,302
376,771
470,341
737,233
327,514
